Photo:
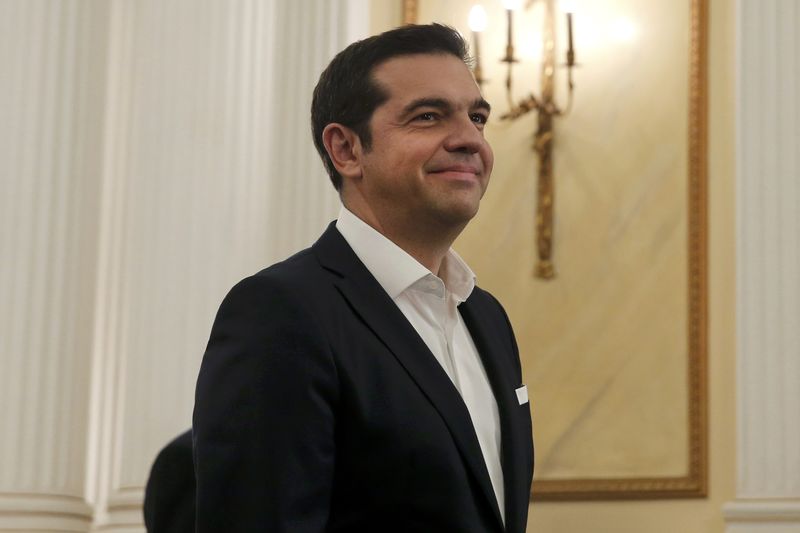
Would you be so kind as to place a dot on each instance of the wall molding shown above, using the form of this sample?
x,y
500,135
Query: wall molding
x,y
44,512
763,511
49,180
768,268
123,512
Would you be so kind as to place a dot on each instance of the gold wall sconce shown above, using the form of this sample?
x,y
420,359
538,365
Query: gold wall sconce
x,y
544,105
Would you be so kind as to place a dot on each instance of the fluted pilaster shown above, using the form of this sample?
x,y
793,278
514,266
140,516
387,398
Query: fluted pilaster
x,y
49,177
768,268
209,175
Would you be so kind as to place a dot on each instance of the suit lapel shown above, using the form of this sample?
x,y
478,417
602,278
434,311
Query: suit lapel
x,y
516,494
375,308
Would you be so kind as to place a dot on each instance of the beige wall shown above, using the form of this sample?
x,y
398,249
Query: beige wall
x,y
685,516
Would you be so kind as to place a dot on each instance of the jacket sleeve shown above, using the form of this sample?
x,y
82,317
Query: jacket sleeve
x,y
263,424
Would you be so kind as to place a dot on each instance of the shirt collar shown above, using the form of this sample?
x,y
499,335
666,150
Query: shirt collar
x,y
393,267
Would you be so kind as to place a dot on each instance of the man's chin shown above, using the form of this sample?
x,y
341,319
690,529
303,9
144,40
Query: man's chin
x,y
458,214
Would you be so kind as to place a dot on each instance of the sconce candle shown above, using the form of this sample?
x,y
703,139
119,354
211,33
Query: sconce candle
x,y
510,41
477,23
510,6
570,49
477,71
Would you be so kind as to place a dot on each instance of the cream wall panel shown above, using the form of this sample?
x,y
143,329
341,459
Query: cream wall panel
x,y
768,286
209,175
49,179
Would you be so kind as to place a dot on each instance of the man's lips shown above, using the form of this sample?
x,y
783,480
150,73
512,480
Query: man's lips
x,y
457,169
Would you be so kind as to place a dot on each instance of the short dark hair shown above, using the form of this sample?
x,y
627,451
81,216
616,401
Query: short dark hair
x,y
347,94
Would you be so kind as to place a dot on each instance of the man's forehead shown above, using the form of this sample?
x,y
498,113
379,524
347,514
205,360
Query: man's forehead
x,y
400,63
432,76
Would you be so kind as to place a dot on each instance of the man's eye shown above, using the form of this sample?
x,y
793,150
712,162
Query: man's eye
x,y
426,116
479,118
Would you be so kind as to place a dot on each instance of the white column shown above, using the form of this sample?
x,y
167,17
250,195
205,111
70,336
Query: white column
x,y
49,179
309,34
209,175
768,268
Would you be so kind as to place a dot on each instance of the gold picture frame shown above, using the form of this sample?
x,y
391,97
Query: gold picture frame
x,y
694,484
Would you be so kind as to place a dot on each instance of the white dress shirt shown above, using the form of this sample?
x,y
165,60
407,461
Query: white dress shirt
x,y
430,305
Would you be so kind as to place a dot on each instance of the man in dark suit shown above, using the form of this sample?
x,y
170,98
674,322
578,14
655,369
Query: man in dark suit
x,y
366,383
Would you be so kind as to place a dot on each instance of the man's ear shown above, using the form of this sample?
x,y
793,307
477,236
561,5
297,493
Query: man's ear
x,y
344,148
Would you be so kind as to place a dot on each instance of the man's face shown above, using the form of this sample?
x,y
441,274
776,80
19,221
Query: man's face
x,y
428,162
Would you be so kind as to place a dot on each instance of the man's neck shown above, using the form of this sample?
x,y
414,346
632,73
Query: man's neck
x,y
426,243
428,254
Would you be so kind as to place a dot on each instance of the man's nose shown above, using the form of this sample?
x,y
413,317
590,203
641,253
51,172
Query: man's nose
x,y
464,137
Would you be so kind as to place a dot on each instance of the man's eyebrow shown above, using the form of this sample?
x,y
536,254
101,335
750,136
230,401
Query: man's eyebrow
x,y
442,104
437,103
480,103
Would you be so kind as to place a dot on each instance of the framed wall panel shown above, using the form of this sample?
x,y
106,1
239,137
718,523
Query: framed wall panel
x,y
614,347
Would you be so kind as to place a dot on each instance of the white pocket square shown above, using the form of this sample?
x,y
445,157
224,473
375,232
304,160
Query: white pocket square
x,y
522,394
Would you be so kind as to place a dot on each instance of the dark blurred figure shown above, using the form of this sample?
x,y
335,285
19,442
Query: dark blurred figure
x,y
169,498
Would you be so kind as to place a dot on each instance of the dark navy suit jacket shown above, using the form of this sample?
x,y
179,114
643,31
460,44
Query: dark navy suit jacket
x,y
319,408
169,497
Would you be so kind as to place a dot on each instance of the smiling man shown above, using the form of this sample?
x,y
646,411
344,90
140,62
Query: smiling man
x,y
366,383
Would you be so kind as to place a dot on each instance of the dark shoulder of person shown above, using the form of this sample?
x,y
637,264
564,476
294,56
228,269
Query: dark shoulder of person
x,y
169,497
